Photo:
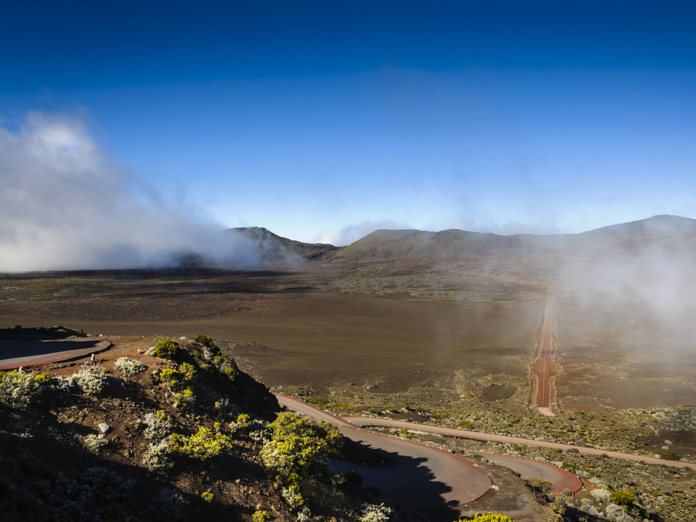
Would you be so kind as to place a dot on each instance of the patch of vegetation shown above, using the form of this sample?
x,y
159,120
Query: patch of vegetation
x,y
260,516
129,366
375,513
95,442
299,446
624,497
488,517
18,388
202,445
205,340
166,349
669,454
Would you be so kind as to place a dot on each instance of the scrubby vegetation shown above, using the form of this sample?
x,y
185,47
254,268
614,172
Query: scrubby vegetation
x,y
129,366
179,434
166,349
662,493
488,517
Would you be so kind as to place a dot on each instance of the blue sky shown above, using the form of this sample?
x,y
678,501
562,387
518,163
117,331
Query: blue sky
x,y
324,120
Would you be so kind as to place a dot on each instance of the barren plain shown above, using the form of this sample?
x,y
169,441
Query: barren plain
x,y
396,328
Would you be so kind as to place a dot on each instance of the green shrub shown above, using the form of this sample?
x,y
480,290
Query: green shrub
x,y
466,425
42,378
202,445
179,380
226,365
18,388
166,349
623,497
539,484
670,455
204,340
300,446
570,466
488,517
260,516
375,513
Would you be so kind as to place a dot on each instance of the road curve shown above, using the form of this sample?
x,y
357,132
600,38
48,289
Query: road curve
x,y
504,439
559,478
23,353
419,475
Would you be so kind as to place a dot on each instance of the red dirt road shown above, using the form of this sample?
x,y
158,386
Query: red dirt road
x,y
419,475
504,439
23,353
559,478
544,365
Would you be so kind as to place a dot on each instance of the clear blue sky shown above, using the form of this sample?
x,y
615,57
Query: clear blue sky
x,y
327,119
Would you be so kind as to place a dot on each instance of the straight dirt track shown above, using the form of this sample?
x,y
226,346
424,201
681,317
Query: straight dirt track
x,y
544,365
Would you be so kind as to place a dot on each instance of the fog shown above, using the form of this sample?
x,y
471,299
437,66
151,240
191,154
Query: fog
x,y
66,204
636,294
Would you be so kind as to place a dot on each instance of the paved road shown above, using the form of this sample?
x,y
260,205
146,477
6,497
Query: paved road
x,y
414,474
23,353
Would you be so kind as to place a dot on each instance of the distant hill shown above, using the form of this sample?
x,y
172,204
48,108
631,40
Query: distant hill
x,y
275,246
663,225
462,245
417,244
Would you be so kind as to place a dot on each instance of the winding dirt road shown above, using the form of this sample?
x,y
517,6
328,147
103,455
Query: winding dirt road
x,y
417,475
504,439
544,368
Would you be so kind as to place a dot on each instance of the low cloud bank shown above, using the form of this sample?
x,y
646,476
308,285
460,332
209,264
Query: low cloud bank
x,y
65,204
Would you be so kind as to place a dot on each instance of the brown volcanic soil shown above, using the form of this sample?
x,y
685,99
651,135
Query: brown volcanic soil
x,y
290,328
463,328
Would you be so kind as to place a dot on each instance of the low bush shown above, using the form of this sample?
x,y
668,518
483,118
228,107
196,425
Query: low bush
x,y
669,454
158,425
158,457
90,379
129,366
202,445
95,442
166,349
488,517
300,446
624,497
260,516
18,388
205,340
375,513
42,378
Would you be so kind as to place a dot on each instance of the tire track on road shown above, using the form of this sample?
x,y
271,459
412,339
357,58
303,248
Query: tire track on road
x,y
544,368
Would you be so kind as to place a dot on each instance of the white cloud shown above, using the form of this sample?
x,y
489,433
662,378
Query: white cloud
x,y
65,204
